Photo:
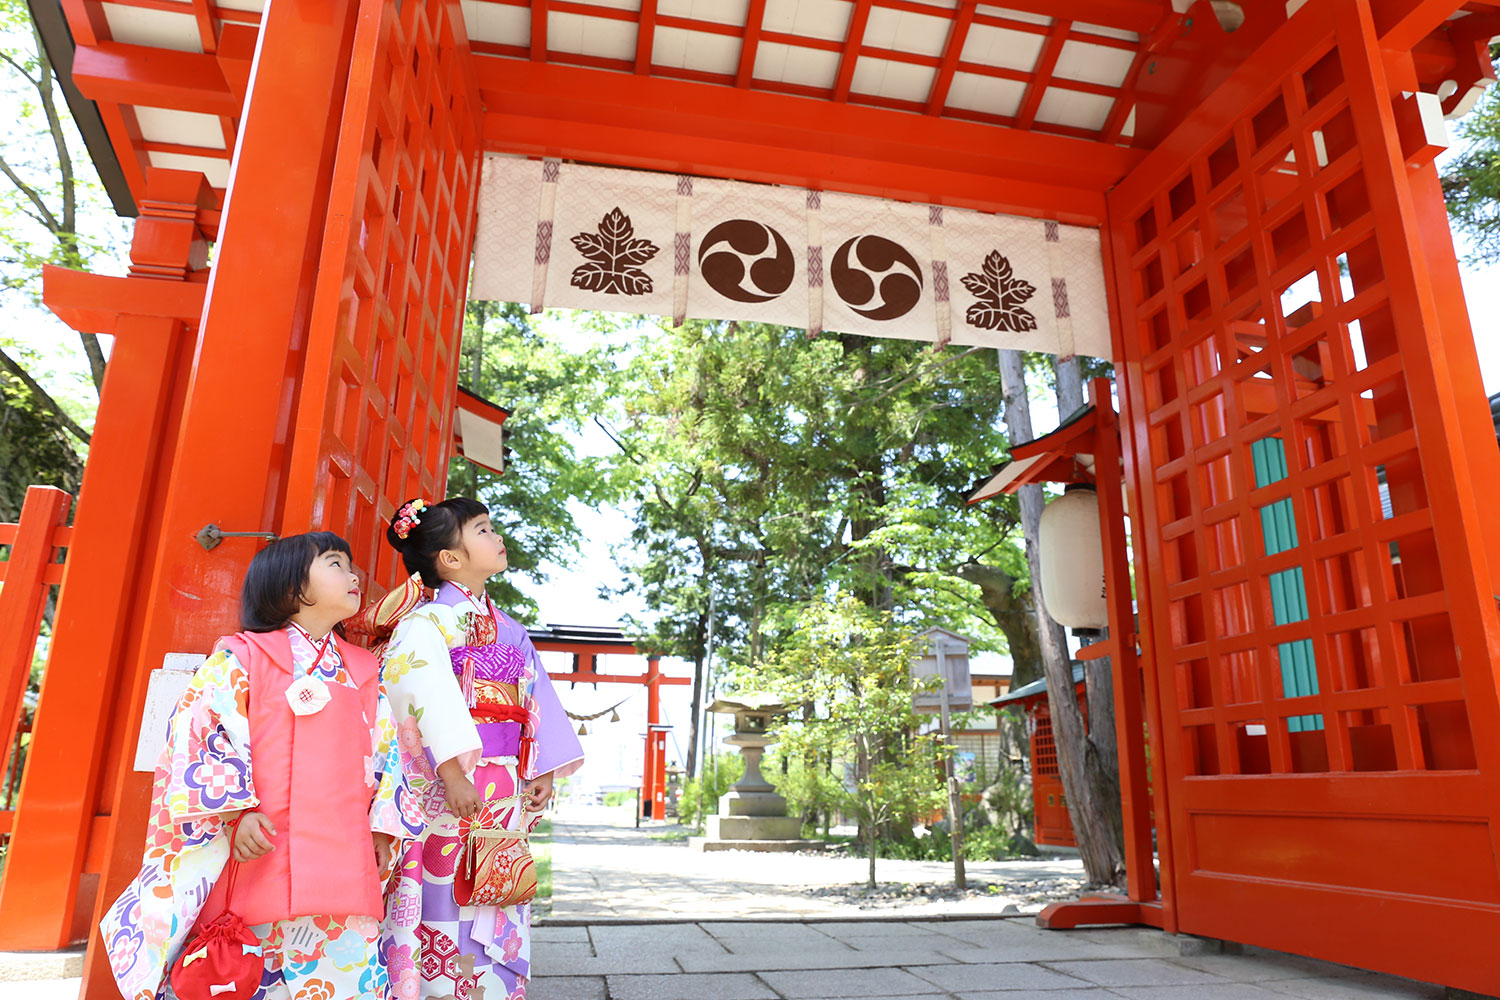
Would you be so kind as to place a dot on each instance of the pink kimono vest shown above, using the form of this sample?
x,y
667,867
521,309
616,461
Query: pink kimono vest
x,y
311,776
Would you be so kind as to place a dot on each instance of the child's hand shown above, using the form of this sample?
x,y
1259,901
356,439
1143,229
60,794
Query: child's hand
x,y
382,851
462,797
253,837
538,792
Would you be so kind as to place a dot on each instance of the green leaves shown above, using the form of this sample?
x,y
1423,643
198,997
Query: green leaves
x,y
552,393
1471,184
851,666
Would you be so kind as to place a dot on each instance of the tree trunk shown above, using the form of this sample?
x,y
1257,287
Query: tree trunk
x,y
703,642
1102,759
1013,615
692,754
1103,855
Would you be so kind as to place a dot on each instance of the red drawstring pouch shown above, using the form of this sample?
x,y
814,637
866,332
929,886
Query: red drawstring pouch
x,y
222,960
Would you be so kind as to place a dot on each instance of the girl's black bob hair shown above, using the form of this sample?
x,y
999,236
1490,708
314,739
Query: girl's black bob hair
x,y
277,579
441,527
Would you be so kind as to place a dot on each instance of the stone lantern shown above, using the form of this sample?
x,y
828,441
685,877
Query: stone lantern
x,y
752,816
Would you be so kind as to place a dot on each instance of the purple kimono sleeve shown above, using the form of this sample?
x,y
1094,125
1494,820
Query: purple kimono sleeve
x,y
557,747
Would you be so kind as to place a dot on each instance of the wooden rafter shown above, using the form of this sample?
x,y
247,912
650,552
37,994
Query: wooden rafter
x,y
852,43
539,30
1114,125
207,37
1041,74
753,20
958,34
645,37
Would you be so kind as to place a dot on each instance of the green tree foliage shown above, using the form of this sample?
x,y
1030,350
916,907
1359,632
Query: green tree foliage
x,y
720,772
53,210
851,664
551,392
768,468
33,448
1471,183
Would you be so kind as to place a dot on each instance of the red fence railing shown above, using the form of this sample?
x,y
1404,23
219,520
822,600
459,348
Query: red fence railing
x,y
36,547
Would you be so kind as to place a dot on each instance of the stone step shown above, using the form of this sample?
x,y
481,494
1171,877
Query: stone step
x,y
754,828
765,846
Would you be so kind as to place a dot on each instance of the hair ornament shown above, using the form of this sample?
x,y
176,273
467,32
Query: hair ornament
x,y
407,519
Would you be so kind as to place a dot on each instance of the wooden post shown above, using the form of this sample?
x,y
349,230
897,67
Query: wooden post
x,y
24,596
60,811
955,802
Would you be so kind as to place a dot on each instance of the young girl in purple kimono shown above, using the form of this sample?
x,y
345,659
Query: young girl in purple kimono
x,y
480,728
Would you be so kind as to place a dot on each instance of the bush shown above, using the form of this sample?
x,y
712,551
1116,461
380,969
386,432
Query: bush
x,y
719,772
619,798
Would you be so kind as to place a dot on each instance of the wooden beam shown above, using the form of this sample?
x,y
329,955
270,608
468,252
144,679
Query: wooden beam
x,y
539,30
1041,73
645,37
958,34
852,42
753,22
661,124
1129,15
1401,24
111,72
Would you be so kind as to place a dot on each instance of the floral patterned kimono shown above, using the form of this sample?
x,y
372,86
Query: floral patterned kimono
x,y
205,771
454,666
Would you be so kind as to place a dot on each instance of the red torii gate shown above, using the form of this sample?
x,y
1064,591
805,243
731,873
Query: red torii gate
x,y
331,150
587,644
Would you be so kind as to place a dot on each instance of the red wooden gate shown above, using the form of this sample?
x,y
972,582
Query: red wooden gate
x,y
1285,277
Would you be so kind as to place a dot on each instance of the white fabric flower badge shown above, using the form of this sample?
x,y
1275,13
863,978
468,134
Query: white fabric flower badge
x,y
307,696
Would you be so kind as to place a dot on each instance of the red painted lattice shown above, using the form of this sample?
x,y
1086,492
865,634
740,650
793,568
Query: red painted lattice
x,y
1273,292
388,312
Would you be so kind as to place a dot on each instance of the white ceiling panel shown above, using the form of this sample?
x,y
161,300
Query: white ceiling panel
x,y
186,128
717,11
991,46
986,94
498,24
215,169
606,37
825,19
1093,63
1013,15
796,64
905,31
888,78
696,50
161,29
1072,107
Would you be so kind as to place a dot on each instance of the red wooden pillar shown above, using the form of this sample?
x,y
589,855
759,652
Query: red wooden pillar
x,y
50,867
653,770
231,444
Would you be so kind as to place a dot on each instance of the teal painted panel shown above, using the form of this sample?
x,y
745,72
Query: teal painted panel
x,y
1299,674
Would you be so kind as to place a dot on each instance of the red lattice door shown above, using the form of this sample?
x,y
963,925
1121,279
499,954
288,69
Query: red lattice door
x,y
374,419
1311,471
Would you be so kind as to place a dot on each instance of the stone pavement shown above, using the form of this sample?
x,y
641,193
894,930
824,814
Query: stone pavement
x,y
736,926
605,869
961,959
742,926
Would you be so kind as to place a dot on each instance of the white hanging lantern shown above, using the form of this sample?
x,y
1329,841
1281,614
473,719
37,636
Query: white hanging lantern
x,y
1072,560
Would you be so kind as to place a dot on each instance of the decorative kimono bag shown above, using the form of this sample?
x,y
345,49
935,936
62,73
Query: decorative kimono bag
x,y
222,960
496,867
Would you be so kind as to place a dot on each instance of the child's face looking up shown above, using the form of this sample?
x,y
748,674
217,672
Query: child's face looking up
x,y
484,548
332,588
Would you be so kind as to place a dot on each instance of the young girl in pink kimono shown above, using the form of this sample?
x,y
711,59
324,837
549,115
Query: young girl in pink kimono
x,y
316,814
480,727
